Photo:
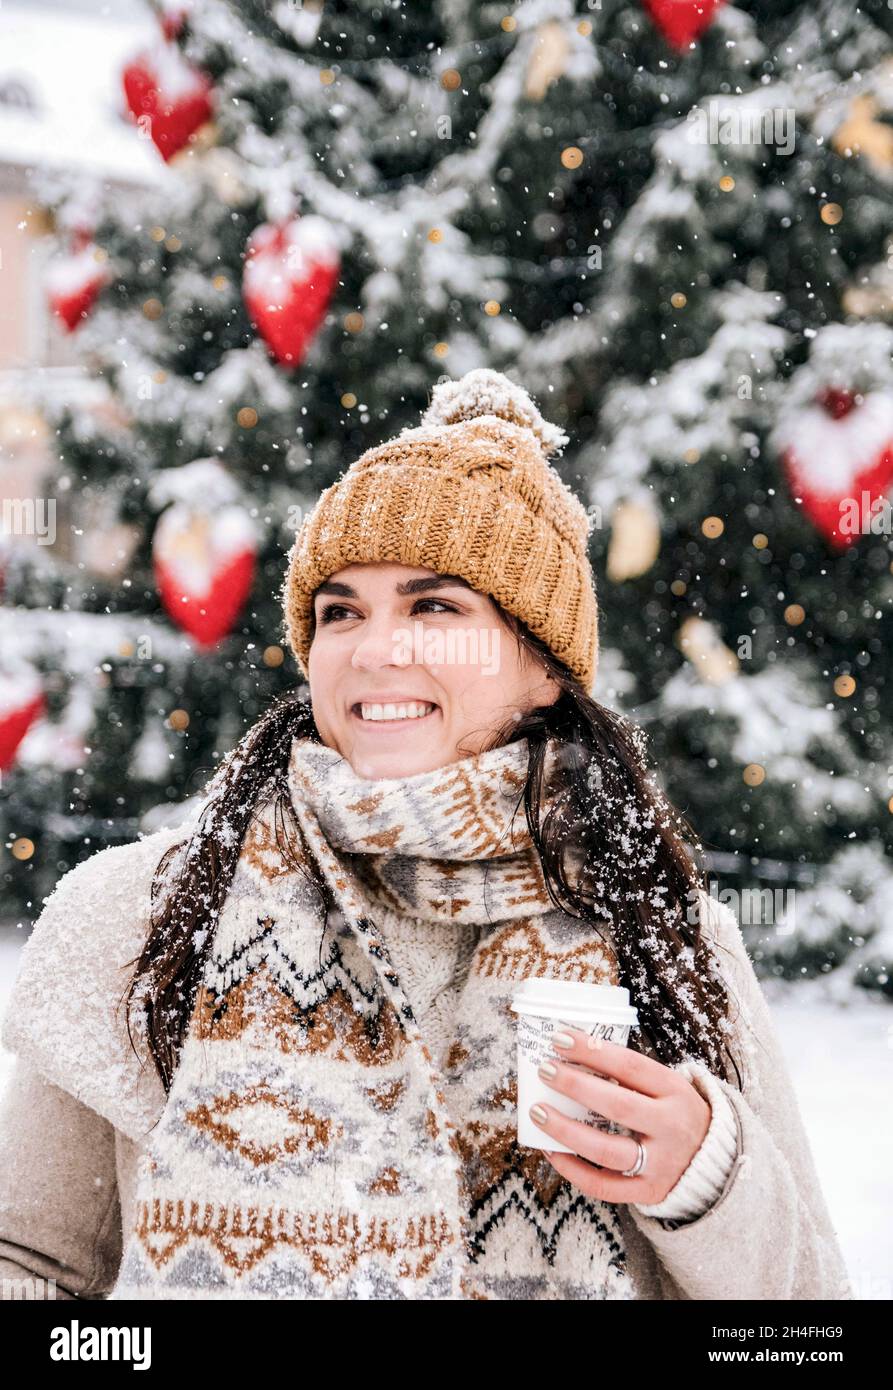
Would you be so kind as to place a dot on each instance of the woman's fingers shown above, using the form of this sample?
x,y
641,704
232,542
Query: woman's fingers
x,y
607,1098
631,1069
614,1151
601,1184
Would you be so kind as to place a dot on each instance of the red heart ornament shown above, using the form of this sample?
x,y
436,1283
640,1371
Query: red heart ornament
x,y
204,568
167,97
682,21
73,281
838,457
291,270
20,705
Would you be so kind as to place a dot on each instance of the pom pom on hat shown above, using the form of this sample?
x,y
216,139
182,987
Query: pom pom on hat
x,y
484,391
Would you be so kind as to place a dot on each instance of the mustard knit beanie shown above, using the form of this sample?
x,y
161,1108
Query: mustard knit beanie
x,y
468,492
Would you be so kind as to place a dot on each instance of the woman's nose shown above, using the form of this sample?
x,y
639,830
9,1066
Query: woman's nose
x,y
383,642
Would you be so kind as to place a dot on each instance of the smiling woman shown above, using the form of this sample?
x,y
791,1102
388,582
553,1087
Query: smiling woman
x,y
392,715
321,1098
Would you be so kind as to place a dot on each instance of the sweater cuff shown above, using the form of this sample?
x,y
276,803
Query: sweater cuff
x,y
704,1180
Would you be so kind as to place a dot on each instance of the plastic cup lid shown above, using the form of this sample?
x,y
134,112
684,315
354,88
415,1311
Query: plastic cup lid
x,y
573,999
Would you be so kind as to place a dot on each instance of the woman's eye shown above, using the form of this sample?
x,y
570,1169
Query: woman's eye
x,y
447,607
331,610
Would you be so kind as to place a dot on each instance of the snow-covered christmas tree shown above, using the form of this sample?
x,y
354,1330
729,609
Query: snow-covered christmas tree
x,y
669,221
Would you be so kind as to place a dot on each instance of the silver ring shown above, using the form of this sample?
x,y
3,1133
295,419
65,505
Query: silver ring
x,y
639,1165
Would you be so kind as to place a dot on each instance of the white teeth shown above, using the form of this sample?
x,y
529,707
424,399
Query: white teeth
x,y
411,710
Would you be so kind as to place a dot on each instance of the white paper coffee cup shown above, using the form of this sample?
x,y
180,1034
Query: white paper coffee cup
x,y
544,1007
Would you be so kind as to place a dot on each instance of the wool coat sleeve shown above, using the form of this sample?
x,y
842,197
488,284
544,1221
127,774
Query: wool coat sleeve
x,y
60,1218
77,1081
66,1014
769,1234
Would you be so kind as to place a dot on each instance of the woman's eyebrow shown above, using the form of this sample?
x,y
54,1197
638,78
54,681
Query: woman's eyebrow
x,y
412,586
440,581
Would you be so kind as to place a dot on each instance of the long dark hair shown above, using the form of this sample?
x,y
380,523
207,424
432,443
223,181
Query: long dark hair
x,y
613,850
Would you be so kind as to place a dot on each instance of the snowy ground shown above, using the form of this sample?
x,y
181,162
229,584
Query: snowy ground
x,y
841,1062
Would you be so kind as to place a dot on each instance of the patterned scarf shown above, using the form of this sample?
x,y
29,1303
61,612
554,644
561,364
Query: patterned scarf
x,y
309,1146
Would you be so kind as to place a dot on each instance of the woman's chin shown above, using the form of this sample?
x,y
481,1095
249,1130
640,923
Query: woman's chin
x,y
405,755
395,747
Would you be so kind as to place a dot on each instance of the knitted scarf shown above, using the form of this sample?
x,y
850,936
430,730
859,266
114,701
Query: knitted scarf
x,y
310,1147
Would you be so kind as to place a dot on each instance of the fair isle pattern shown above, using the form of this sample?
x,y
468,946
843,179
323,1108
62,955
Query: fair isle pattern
x,y
309,1147
461,847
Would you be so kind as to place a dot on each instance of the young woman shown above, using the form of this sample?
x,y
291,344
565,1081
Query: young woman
x,y
273,1054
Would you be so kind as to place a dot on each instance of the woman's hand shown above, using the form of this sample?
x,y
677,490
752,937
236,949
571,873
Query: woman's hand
x,y
658,1104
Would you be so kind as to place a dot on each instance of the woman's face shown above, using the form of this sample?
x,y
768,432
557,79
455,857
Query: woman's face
x,y
402,635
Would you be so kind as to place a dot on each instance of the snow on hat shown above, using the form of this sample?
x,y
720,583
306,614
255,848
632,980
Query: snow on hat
x,y
469,491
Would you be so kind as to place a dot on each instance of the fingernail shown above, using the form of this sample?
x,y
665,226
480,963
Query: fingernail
x,y
538,1114
548,1069
562,1040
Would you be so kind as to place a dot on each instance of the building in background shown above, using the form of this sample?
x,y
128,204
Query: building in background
x,y
61,116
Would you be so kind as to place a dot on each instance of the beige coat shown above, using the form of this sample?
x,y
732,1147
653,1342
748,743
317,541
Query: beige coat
x,y
70,1146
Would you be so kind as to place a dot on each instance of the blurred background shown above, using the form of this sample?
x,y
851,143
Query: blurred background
x,y
239,243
